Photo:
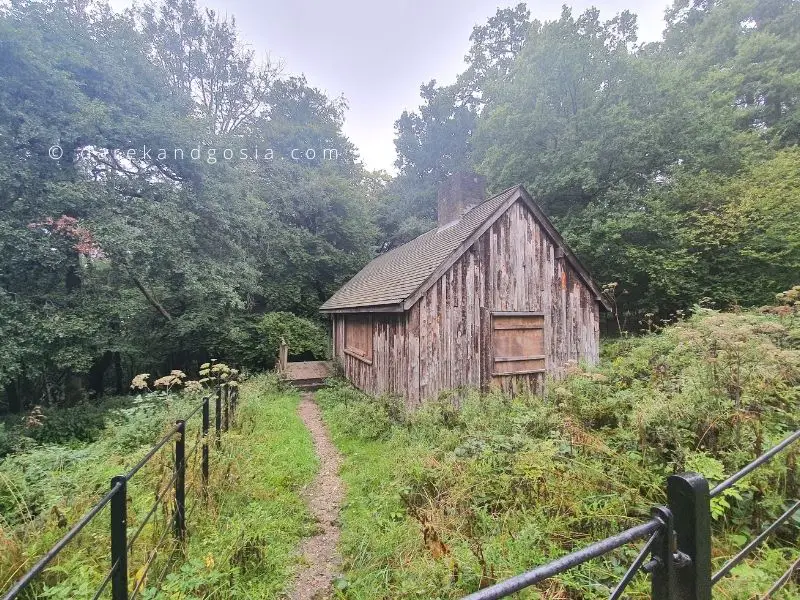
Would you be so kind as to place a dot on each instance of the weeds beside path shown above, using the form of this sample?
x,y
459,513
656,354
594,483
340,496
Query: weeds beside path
x,y
324,497
242,540
261,515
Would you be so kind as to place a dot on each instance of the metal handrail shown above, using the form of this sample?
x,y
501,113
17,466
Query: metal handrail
x,y
153,509
196,410
53,552
118,486
635,566
146,458
558,566
763,459
106,581
781,581
753,544
692,555
142,574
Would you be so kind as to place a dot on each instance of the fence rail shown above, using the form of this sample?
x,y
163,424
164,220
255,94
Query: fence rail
x,y
678,543
120,543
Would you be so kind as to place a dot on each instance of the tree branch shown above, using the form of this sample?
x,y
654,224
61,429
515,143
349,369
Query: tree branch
x,y
150,298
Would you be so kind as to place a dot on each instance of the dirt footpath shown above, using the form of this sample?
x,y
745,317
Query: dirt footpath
x,y
324,497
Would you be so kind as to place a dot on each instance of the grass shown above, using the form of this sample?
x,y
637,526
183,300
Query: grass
x,y
379,539
247,549
445,500
241,540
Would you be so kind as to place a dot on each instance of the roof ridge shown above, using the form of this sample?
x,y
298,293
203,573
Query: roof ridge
x,y
392,279
385,257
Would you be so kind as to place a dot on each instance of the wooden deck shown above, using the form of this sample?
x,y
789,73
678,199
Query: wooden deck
x,y
309,375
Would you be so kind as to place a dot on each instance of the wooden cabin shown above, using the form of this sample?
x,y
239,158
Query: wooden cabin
x,y
491,297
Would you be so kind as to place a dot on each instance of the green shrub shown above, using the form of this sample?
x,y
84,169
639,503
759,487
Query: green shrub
x,y
359,415
302,335
143,423
81,423
9,440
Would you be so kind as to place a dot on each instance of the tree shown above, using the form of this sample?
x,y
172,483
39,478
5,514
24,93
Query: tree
x,y
495,47
624,145
203,58
436,140
147,261
747,225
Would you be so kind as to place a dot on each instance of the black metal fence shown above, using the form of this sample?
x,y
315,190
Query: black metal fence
x,y
677,553
175,492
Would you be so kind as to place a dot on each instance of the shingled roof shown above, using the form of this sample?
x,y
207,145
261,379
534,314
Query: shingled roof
x,y
387,282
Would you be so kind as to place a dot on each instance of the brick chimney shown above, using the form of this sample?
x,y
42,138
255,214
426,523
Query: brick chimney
x,y
458,194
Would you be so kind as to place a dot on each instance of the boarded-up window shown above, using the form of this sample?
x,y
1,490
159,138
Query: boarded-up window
x,y
358,336
518,339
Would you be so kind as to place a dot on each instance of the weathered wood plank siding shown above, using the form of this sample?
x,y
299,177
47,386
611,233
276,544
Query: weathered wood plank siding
x,y
387,373
511,267
450,330
445,340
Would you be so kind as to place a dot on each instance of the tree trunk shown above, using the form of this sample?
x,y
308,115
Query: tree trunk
x,y
13,399
98,372
150,298
118,377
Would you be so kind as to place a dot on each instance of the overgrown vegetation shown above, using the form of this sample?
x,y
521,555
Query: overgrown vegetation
x,y
305,337
472,489
242,539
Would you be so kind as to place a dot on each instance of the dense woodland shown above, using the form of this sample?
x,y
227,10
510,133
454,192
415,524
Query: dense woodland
x,y
670,167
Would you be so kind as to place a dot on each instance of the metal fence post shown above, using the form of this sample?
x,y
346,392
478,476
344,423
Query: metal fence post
x,y
662,566
205,445
690,503
180,481
119,539
218,415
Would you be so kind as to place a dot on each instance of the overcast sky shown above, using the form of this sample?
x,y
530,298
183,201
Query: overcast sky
x,y
377,53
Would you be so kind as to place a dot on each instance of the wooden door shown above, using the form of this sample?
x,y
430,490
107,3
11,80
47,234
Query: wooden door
x,y
517,344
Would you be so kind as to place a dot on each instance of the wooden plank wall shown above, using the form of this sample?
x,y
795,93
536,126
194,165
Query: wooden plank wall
x,y
387,373
512,267
444,341
449,317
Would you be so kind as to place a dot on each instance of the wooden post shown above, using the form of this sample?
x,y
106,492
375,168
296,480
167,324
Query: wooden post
x,y
283,356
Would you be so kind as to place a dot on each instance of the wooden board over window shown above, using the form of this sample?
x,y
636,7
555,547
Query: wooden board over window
x,y
518,341
358,336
